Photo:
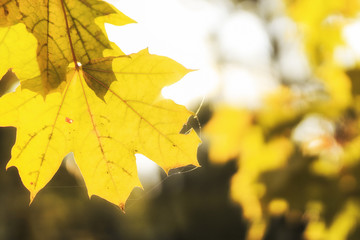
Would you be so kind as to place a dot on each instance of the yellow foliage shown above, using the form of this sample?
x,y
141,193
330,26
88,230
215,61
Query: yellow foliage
x,y
313,12
337,85
226,131
344,222
233,133
257,157
278,206
352,152
320,22
279,106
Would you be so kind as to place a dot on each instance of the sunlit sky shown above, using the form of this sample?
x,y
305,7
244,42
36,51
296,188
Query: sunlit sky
x,y
176,30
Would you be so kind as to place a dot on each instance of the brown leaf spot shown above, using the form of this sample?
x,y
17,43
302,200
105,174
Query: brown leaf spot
x,y
68,120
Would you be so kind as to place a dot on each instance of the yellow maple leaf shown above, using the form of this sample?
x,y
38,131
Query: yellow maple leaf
x,y
81,94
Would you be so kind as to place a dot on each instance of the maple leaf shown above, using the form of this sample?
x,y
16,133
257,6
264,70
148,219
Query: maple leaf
x,y
87,97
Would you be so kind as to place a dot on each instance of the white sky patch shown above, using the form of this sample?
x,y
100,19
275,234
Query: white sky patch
x,y
293,63
243,39
147,170
311,127
245,87
315,134
245,51
272,8
350,54
169,28
345,56
351,34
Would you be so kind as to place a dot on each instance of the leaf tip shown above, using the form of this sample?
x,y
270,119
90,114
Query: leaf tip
x,y
196,164
192,70
32,196
10,164
144,51
166,170
122,207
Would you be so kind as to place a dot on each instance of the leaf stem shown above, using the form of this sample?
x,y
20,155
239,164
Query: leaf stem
x,y
77,67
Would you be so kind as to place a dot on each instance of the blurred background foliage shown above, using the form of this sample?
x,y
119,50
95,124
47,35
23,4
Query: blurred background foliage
x,y
281,151
298,152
